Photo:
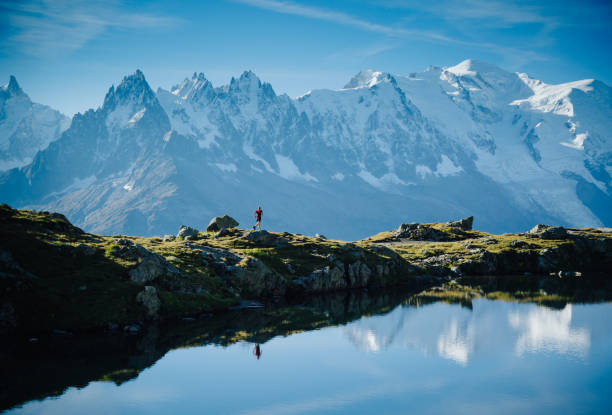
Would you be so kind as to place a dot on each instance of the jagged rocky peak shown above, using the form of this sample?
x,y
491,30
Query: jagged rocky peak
x,y
12,88
132,89
193,88
250,83
367,79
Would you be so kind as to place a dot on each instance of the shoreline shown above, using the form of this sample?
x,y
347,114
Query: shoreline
x,y
57,278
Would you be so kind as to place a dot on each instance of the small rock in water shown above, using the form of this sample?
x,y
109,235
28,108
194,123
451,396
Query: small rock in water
x,y
131,328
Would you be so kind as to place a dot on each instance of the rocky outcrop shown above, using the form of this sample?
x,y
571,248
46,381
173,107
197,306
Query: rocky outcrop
x,y
329,278
463,224
419,232
150,266
150,301
254,279
265,238
358,274
220,222
13,277
222,233
548,232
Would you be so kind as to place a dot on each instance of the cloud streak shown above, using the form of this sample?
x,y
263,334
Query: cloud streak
x,y
515,56
46,27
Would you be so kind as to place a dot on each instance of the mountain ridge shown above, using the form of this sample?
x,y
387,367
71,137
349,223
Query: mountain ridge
x,y
447,142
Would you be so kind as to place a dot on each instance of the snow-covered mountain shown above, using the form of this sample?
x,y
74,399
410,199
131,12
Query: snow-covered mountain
x,y
470,139
25,127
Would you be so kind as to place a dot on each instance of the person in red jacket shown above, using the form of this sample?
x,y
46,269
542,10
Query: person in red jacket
x,y
258,214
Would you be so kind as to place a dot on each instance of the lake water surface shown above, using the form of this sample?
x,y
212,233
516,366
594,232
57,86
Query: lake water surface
x,y
495,357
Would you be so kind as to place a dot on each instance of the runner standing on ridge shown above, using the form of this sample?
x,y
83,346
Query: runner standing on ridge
x,y
258,214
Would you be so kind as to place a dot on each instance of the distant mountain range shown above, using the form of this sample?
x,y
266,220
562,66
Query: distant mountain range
x,y
25,127
471,139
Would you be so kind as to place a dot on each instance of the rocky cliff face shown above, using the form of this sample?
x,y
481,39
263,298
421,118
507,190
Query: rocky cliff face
x,y
447,142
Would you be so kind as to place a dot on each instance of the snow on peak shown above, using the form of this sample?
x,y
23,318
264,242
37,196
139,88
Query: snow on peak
x,y
471,67
366,79
555,99
192,88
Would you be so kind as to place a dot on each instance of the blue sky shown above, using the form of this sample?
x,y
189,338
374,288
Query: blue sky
x,y
67,53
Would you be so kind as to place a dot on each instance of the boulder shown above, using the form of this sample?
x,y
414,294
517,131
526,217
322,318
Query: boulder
x,y
220,222
265,238
150,301
148,270
186,231
150,265
548,232
464,224
168,238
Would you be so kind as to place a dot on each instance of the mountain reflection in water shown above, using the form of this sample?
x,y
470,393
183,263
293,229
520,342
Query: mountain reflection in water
x,y
458,333
385,352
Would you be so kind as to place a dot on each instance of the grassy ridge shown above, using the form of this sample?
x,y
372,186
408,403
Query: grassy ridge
x,y
54,276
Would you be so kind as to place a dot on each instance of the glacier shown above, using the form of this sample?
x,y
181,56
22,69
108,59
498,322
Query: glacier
x,y
470,139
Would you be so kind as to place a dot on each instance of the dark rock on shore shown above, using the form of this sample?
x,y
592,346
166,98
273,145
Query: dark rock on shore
x,y
220,222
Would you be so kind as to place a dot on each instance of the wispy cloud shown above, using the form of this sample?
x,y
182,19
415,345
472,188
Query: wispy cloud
x,y
514,56
333,16
498,13
286,7
45,27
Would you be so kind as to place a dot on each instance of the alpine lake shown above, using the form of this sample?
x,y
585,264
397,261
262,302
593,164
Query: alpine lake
x,y
359,352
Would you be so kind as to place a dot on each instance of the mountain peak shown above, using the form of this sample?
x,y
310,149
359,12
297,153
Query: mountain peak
x,y
13,88
133,88
248,81
472,67
366,79
198,77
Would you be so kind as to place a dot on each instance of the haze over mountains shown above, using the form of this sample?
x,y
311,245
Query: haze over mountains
x,y
471,139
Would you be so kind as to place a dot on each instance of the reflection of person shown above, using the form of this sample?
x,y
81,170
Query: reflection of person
x,y
257,351
258,214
